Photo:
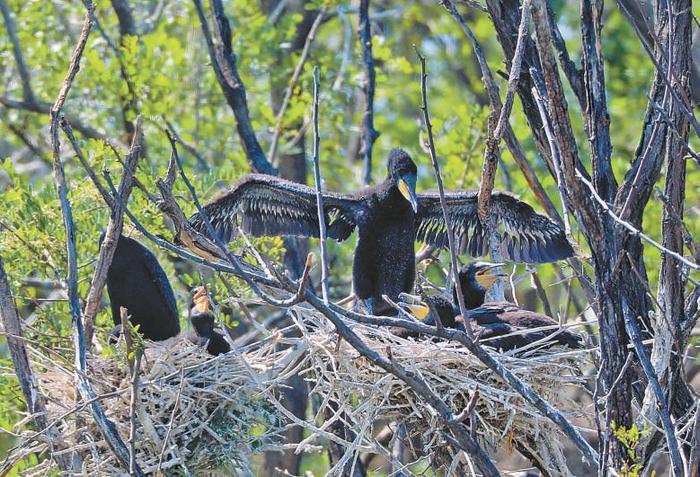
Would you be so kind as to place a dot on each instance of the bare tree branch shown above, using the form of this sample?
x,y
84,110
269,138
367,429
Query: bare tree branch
x,y
441,190
292,84
319,193
107,428
27,92
492,152
596,118
42,107
223,61
369,134
669,429
111,237
36,405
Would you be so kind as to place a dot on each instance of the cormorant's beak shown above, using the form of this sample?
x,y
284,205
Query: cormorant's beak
x,y
415,305
407,187
488,273
201,301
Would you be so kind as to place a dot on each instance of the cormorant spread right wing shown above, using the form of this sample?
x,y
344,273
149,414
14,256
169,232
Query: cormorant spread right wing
x,y
270,206
529,236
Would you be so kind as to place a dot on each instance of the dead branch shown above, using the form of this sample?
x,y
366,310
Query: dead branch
x,y
319,193
106,427
441,190
368,134
292,84
669,429
223,60
493,139
35,400
112,233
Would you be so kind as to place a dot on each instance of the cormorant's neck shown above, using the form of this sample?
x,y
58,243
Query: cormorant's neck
x,y
473,295
202,328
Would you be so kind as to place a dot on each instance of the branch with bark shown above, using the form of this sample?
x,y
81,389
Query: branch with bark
x,y
368,133
223,60
84,387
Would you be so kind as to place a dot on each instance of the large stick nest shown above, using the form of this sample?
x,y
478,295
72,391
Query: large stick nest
x,y
196,412
366,395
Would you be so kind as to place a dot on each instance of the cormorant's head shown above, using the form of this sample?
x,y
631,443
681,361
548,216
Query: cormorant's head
x,y
403,172
201,318
422,306
475,279
414,305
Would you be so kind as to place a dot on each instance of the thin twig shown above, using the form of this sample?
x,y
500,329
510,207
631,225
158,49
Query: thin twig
x,y
292,84
541,293
471,405
33,397
112,232
441,190
538,93
632,229
27,92
635,336
201,161
133,357
319,192
106,427
369,134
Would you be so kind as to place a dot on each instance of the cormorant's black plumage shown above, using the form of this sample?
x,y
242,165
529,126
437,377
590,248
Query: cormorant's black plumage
x,y
203,323
500,325
528,236
136,281
494,320
384,255
389,217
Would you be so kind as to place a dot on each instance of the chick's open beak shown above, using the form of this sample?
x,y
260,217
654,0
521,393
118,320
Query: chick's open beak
x,y
414,305
201,301
407,187
489,273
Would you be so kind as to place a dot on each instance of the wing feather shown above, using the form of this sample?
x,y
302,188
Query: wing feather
x,y
527,236
269,206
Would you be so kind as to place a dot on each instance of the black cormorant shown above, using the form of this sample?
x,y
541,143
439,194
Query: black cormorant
x,y
136,281
501,325
389,217
203,324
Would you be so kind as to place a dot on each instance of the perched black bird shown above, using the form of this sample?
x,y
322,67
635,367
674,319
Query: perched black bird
x,y
389,217
136,281
475,279
203,323
501,325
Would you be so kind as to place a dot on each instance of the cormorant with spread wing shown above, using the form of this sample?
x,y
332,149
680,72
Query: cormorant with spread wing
x,y
389,217
501,325
136,281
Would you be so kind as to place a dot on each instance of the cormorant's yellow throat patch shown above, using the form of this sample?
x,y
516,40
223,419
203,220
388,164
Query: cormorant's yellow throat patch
x,y
419,310
488,275
201,301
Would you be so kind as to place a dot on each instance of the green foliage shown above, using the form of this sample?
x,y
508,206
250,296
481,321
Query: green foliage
x,y
630,438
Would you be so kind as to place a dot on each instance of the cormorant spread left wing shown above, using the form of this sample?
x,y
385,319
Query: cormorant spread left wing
x,y
529,236
270,206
